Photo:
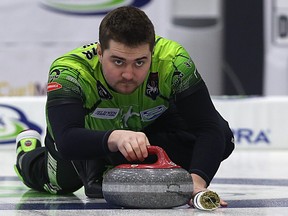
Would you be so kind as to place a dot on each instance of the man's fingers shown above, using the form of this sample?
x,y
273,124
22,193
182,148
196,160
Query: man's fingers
x,y
223,203
132,150
139,147
133,145
125,152
143,151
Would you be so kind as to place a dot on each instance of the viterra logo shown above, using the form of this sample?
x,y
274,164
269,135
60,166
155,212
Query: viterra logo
x,y
89,7
252,136
12,122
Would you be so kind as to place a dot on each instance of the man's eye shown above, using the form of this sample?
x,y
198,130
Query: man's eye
x,y
118,62
139,63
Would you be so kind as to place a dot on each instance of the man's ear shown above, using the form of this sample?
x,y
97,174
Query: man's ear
x,y
99,52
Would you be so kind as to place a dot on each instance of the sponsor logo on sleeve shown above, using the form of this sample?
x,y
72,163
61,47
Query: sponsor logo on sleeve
x,y
54,75
177,79
53,86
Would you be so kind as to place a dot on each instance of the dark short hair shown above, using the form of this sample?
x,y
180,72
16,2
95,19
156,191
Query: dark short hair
x,y
128,25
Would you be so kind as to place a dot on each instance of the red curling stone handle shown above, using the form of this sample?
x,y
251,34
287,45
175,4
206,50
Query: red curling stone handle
x,y
163,161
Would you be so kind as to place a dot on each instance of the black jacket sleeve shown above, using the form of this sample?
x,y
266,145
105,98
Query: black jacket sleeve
x,y
196,107
73,141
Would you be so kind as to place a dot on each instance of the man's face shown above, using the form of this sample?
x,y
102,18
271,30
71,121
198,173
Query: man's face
x,y
125,68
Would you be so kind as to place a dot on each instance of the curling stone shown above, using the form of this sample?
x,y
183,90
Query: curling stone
x,y
162,184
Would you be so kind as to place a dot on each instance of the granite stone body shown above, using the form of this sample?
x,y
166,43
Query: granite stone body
x,y
147,188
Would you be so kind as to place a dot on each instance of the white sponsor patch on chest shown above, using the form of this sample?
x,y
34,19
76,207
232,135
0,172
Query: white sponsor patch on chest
x,y
153,113
105,113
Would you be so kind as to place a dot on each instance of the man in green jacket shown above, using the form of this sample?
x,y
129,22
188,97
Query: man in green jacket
x,y
107,101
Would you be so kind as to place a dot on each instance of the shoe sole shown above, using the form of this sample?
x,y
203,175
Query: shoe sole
x,y
28,134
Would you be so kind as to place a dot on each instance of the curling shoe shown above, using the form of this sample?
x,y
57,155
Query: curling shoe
x,y
26,141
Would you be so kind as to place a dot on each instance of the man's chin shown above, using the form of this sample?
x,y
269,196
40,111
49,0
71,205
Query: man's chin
x,y
126,90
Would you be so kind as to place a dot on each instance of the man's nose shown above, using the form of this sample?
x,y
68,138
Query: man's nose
x,y
128,72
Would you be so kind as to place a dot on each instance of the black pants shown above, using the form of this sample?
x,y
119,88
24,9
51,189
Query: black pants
x,y
44,171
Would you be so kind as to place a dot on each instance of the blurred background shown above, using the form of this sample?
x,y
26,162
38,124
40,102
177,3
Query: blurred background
x,y
239,46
